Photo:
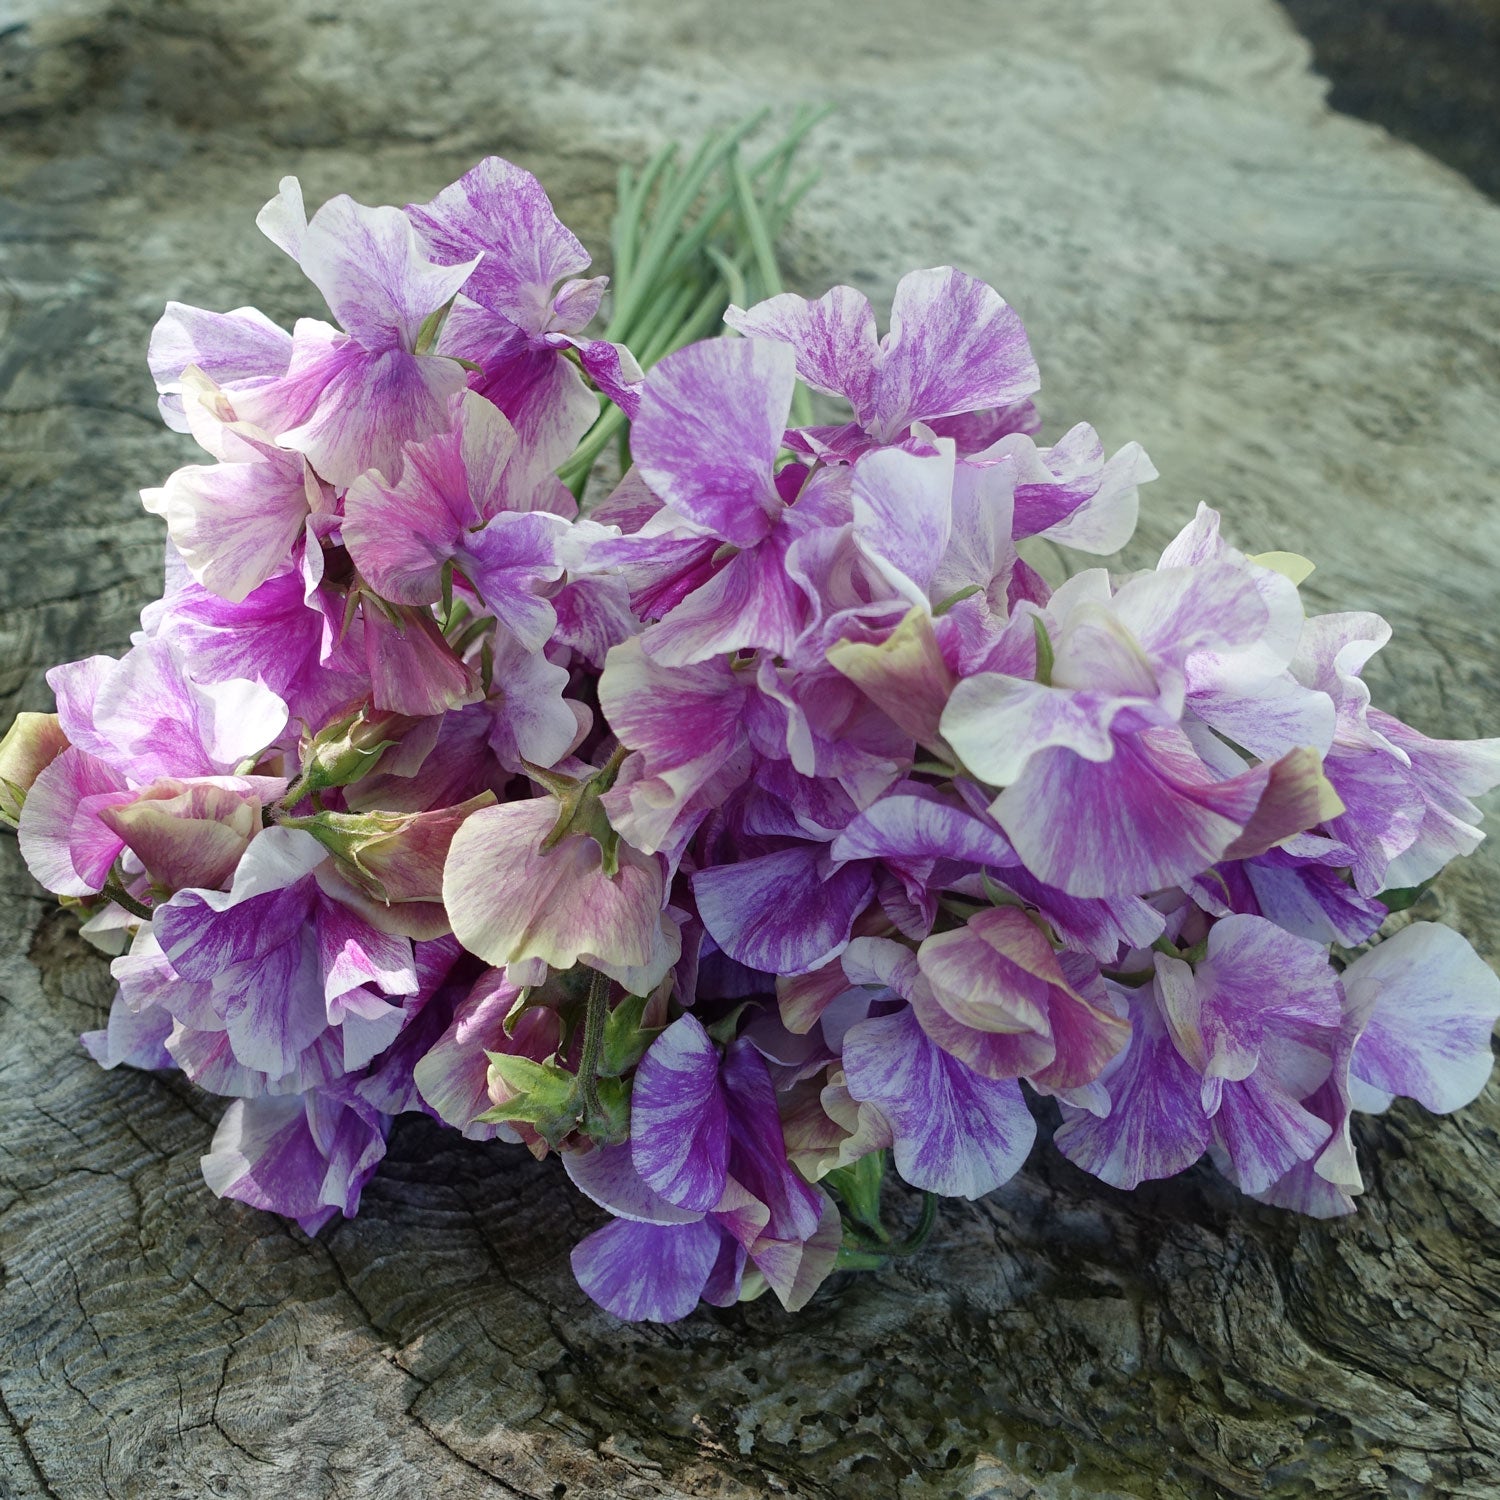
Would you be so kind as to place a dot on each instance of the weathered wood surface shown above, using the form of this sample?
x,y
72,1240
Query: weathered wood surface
x,y
1298,317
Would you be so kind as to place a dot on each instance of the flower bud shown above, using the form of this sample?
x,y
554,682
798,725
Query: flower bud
x,y
393,856
342,752
30,745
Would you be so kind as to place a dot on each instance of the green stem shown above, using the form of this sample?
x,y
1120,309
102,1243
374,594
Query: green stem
x,y
918,1237
121,897
596,1012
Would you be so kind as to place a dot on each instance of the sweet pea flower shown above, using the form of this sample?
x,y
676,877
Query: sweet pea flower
x,y
1104,791
707,1186
706,441
541,884
350,399
450,512
304,1156
954,347
285,959
1224,1050
234,524
1407,808
141,730
517,324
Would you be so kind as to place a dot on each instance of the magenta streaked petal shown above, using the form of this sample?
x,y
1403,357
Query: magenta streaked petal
x,y
400,535
1149,817
1433,1003
350,409
679,1119
954,1132
238,351
650,1272
757,1153
374,273
132,1038
749,603
833,338
529,719
452,1075
612,367
1265,1131
685,724
501,212
777,913
66,846
235,523
903,515
158,721
413,670
305,1156
708,432
1000,725
954,346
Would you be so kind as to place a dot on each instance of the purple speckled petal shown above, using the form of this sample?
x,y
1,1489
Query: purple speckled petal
x,y
373,272
502,212
751,602
350,409
152,719
401,534
1149,817
132,1038
607,1174
954,346
833,338
235,523
708,432
306,1156
757,1154
1433,1004
903,515
685,724
776,913
903,827
650,1272
679,1120
953,1131
1156,1125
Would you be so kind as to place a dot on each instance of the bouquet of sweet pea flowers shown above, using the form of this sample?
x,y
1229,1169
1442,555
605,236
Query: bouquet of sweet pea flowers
x,y
752,816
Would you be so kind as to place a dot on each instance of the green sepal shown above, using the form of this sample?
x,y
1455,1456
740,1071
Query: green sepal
x,y
1403,898
956,597
1044,654
723,1030
432,327
613,1126
857,1188
545,1096
625,1039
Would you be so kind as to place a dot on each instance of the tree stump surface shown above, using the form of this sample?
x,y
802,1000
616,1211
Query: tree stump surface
x,y
1300,320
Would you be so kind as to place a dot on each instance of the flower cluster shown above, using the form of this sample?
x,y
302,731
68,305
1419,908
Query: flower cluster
x,y
773,816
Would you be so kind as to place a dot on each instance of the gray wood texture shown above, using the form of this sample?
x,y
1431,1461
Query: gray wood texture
x,y
1298,317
